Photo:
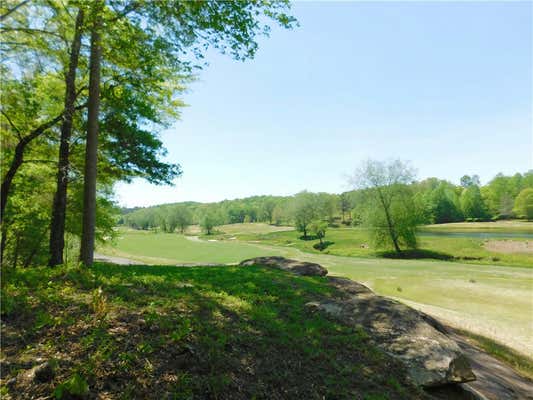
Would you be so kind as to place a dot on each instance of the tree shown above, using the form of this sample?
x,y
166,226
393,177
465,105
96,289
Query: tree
x,y
524,204
443,204
389,207
208,222
467,181
319,228
59,209
267,210
472,203
327,206
173,26
183,218
304,210
344,205
133,97
91,147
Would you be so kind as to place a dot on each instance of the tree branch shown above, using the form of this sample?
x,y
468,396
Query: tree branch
x,y
31,30
13,9
12,124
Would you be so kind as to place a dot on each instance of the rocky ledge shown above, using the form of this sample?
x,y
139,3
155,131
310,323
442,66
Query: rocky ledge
x,y
294,266
431,358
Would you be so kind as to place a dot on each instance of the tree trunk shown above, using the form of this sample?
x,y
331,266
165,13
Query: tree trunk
x,y
389,222
57,225
3,243
89,184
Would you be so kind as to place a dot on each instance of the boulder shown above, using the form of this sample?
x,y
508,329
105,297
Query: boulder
x,y
294,266
431,358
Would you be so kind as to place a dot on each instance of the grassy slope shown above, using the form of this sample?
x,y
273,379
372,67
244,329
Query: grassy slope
x,y
181,333
491,300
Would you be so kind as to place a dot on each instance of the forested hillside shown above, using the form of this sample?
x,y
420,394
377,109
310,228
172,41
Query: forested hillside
x,y
435,201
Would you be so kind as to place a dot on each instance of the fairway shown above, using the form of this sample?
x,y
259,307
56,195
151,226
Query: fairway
x,y
166,248
490,300
451,242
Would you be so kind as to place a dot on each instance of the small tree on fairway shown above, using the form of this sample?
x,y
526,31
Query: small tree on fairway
x,y
304,211
388,208
319,228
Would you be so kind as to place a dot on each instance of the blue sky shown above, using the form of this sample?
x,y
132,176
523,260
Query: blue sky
x,y
447,86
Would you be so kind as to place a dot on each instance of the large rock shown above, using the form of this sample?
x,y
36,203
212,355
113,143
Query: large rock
x,y
294,266
432,359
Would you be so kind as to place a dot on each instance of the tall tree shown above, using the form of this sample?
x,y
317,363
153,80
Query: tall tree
x,y
59,209
175,26
91,148
386,183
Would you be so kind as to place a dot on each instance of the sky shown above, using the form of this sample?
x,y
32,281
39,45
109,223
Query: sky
x,y
445,85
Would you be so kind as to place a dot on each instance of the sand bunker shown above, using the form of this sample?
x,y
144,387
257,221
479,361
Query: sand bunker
x,y
509,246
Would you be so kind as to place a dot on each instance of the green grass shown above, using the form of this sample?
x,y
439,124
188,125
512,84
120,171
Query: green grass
x,y
172,248
490,300
182,333
355,242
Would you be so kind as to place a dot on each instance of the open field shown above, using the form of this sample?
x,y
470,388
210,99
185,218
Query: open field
x,y
122,332
491,300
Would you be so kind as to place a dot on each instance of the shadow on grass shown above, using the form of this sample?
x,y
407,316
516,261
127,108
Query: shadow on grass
x,y
197,332
416,254
308,237
322,246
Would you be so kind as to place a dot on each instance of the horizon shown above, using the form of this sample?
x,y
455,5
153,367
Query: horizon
x,y
456,183
357,81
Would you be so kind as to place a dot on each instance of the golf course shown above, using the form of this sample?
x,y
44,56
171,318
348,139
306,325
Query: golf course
x,y
482,296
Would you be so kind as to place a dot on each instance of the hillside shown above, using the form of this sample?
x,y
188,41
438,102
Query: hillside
x,y
181,333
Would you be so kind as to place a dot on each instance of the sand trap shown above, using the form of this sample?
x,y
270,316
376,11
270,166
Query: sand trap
x,y
509,246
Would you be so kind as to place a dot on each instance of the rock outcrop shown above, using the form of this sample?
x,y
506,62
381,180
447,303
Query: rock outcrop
x,y
294,266
432,359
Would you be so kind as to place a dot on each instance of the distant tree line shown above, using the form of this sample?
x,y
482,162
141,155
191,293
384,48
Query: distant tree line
x,y
433,201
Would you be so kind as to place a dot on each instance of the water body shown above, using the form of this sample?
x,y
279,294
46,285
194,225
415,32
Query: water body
x,y
480,235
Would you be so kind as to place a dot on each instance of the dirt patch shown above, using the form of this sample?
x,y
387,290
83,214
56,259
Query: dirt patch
x,y
509,246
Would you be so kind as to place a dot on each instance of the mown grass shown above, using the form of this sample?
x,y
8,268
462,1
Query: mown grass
x,y
355,242
171,248
185,333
